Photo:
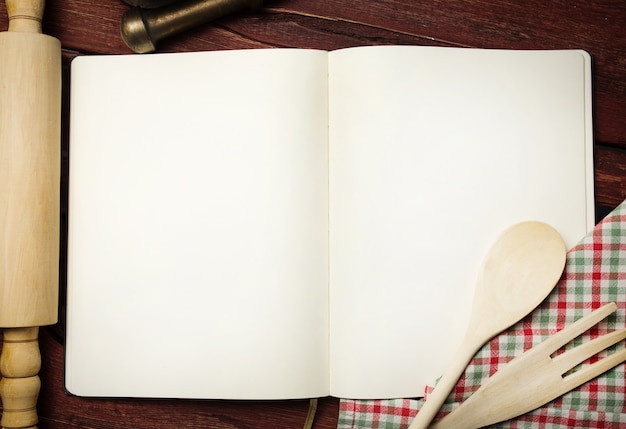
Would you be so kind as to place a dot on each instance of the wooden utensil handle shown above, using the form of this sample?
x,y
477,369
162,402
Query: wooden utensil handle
x,y
19,388
25,16
445,385
30,110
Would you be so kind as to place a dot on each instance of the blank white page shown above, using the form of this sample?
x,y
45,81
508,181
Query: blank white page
x,y
433,153
198,226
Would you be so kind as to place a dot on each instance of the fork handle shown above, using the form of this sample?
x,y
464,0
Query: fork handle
x,y
522,385
457,421
503,396
446,383
535,378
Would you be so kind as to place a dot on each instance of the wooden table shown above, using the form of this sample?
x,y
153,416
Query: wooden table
x,y
92,27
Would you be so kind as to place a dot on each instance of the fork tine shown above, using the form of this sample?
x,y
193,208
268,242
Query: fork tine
x,y
577,378
567,334
534,379
571,358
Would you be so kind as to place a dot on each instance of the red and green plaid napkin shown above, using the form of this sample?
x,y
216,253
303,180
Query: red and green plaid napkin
x,y
595,274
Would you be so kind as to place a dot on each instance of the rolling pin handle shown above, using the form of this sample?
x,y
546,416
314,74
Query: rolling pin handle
x,y
25,16
20,363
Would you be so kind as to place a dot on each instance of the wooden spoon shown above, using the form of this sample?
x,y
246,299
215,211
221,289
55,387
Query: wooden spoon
x,y
521,269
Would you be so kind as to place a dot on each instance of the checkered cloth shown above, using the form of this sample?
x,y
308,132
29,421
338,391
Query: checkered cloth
x,y
595,274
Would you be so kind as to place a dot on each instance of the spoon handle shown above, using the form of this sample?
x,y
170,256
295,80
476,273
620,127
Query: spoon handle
x,y
447,382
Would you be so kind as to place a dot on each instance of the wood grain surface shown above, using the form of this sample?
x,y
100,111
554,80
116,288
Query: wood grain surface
x,y
87,27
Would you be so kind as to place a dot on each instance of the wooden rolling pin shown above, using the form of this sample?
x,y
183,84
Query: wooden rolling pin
x,y
30,110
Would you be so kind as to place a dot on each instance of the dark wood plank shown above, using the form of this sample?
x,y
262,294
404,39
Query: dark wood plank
x,y
92,27
610,179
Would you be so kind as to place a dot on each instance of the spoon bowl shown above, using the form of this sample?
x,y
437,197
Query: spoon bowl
x,y
519,272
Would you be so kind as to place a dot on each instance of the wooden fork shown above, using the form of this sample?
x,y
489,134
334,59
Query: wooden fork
x,y
536,377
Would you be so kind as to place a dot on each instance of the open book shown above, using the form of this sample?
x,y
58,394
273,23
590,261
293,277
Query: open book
x,y
296,223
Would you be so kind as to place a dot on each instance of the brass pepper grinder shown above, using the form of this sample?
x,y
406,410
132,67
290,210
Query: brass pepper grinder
x,y
30,110
142,28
